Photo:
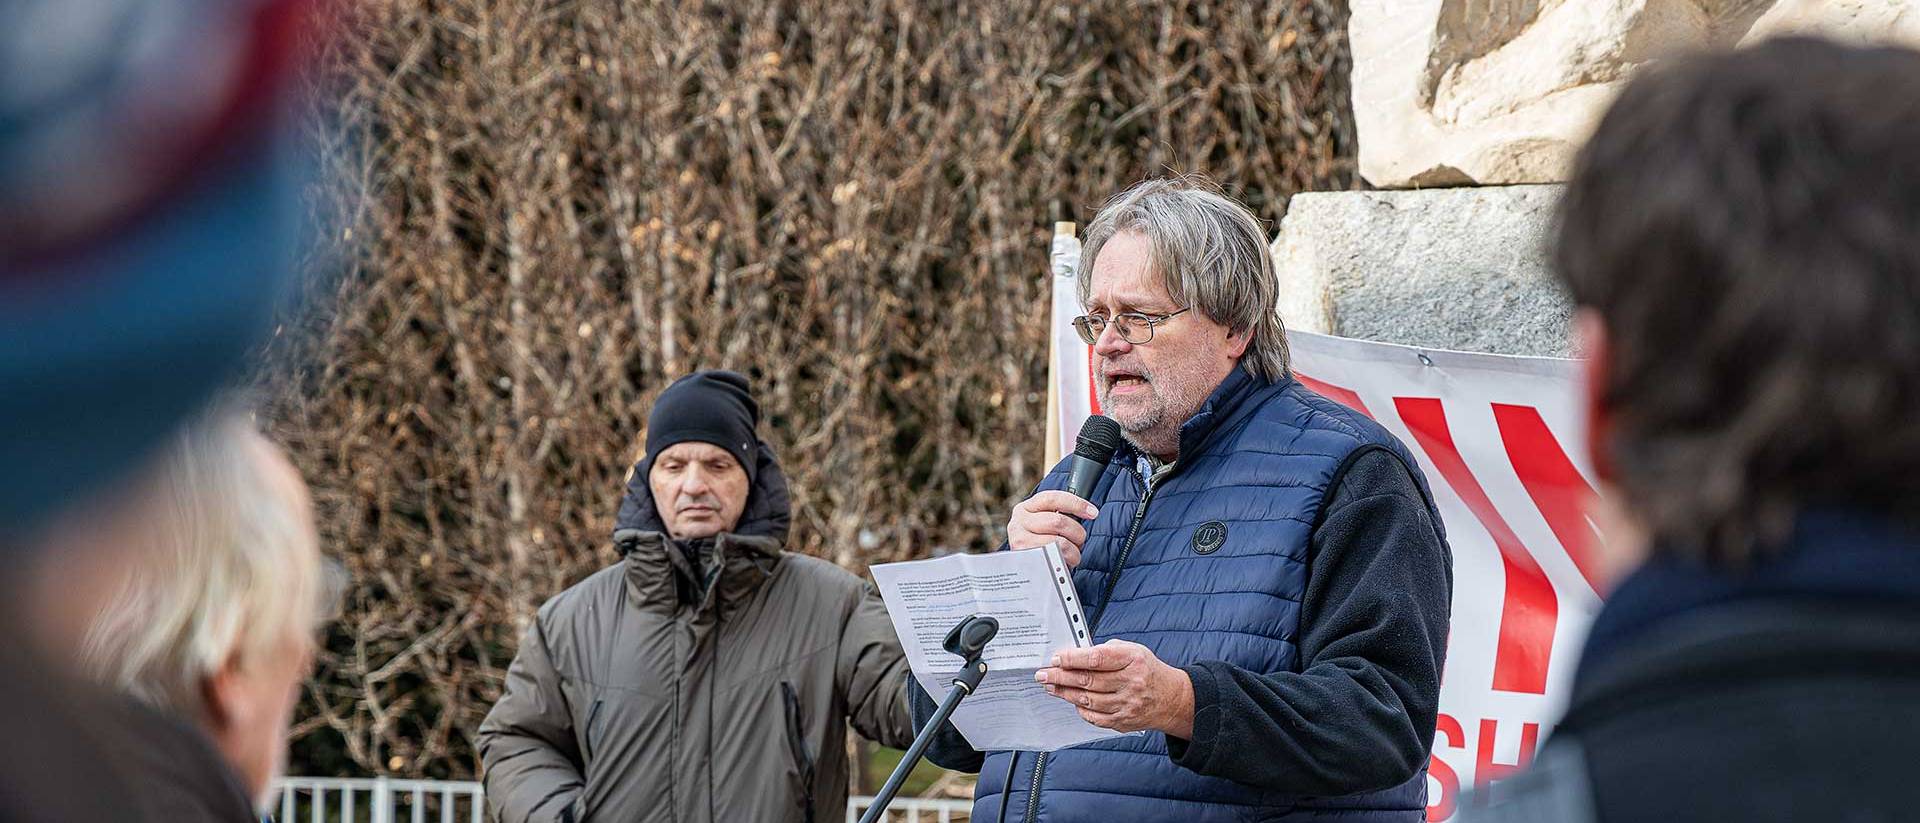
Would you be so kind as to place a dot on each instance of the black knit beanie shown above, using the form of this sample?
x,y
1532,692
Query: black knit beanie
x,y
707,407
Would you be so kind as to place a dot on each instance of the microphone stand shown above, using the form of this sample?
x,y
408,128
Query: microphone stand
x,y
968,640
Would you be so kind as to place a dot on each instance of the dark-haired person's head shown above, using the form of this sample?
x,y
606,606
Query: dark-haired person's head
x,y
1742,239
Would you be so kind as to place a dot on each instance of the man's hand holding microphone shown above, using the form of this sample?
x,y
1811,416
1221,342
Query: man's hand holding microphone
x,y
1051,517
1116,685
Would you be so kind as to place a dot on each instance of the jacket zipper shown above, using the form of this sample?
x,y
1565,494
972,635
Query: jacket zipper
x,y
1119,566
1033,791
1126,548
673,746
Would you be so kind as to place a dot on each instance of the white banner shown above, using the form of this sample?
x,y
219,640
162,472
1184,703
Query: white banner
x,y
1070,400
1502,444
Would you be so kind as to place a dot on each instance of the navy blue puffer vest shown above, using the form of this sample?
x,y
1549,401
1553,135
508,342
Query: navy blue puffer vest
x,y
1260,458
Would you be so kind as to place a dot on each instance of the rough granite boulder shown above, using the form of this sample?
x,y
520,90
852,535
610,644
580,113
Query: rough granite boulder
x,y
1463,92
1461,268
1857,20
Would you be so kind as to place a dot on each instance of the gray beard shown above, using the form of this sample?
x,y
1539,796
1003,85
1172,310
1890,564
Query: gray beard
x,y
1152,433
1156,441
1148,433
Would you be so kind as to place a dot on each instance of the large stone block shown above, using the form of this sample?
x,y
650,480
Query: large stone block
x,y
1857,20
1462,268
1457,92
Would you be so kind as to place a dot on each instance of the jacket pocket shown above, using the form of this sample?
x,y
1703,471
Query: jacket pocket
x,y
587,735
797,746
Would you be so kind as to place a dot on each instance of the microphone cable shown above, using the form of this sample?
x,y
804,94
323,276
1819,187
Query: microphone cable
x,y
1006,788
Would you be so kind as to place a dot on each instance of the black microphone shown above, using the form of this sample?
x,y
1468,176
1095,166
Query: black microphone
x,y
1099,438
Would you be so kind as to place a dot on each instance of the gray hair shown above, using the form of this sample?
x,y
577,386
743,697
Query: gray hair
x,y
1209,252
230,568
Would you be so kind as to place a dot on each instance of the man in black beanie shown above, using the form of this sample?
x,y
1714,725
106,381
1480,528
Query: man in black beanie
x,y
700,462
709,675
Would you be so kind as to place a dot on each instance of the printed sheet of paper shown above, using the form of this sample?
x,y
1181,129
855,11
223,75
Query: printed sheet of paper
x,y
1031,595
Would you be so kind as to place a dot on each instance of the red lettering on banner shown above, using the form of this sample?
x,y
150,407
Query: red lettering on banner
x,y
1441,808
1557,488
1486,771
1345,397
1529,609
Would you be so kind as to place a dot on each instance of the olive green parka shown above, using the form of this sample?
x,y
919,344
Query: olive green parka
x,y
696,683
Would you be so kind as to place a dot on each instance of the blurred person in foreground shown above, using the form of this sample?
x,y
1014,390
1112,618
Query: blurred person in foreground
x,y
1263,570
710,674
149,219
1742,239
212,623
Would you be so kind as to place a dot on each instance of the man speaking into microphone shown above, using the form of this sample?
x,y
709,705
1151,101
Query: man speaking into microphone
x,y
1263,569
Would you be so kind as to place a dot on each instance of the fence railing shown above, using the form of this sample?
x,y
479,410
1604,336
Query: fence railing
x,y
913,810
377,800
388,800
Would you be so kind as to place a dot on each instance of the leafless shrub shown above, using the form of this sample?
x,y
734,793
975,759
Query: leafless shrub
x,y
540,212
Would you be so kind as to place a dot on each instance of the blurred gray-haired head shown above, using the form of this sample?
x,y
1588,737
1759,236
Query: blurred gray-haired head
x,y
1208,252
230,570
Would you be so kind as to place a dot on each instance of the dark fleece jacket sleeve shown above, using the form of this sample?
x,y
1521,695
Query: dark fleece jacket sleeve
x,y
948,748
1359,715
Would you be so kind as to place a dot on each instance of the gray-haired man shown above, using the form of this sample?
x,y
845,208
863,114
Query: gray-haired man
x,y
211,621
1263,569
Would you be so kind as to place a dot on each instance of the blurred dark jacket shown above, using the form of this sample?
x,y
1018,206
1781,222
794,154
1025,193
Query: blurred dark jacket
x,y
172,770
710,681
72,752
52,754
1786,691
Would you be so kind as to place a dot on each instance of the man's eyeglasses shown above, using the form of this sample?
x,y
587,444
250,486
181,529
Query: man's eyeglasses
x,y
1133,327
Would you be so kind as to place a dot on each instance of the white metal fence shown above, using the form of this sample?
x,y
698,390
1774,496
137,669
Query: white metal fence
x,y
377,800
913,810
385,800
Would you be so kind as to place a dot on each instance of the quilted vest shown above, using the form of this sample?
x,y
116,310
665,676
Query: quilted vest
x,y
1258,458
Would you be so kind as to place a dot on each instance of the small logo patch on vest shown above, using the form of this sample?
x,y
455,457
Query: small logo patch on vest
x,y
1209,537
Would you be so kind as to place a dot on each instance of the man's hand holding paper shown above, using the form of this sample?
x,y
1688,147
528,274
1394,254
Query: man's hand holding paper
x,y
1122,686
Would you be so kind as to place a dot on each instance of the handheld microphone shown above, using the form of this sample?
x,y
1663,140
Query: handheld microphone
x,y
1099,438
